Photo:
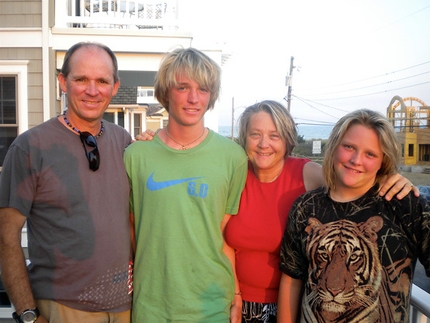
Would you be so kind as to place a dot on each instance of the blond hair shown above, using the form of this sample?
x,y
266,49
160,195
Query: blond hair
x,y
387,139
193,64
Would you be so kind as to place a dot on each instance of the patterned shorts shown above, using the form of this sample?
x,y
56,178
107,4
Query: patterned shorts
x,y
259,312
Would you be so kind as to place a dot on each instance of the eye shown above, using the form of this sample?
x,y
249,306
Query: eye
x,y
254,135
275,136
204,90
348,147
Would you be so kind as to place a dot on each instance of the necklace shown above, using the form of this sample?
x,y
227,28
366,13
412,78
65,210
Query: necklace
x,y
77,130
183,147
276,177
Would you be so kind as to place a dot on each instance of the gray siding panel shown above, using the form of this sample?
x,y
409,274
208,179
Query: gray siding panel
x,y
18,13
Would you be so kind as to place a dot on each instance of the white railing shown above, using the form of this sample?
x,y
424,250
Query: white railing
x,y
420,305
124,14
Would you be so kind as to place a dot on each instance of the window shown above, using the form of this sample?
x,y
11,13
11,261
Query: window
x,y
424,152
116,117
144,92
13,102
137,122
411,150
145,95
8,114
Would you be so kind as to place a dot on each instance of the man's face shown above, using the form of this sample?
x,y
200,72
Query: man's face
x,y
90,84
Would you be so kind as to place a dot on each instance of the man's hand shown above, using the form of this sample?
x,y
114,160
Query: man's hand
x,y
147,135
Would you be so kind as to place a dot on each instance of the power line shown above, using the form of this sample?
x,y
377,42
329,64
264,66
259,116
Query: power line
x,y
379,84
373,93
325,105
369,78
395,22
315,107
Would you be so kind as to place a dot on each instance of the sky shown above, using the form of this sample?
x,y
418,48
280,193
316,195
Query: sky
x,y
348,54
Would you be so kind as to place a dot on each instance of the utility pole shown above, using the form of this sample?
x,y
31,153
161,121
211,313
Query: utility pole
x,y
232,118
289,82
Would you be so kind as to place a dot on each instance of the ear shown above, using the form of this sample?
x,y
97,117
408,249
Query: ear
x,y
62,81
115,88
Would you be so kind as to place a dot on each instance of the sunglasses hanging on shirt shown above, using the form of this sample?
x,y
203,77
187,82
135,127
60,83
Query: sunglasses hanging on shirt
x,y
93,156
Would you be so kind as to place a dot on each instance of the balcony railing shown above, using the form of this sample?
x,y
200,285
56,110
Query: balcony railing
x,y
124,14
420,306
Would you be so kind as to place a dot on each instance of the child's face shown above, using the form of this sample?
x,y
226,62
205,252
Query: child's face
x,y
357,160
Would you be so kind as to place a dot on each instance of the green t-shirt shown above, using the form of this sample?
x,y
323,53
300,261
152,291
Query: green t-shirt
x,y
179,198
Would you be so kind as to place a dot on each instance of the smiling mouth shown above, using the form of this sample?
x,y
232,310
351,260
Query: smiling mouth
x,y
352,170
265,154
91,102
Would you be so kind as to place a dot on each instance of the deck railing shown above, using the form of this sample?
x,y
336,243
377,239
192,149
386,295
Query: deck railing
x,y
123,14
420,306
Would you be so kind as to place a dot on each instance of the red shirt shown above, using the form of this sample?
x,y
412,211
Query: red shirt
x,y
256,231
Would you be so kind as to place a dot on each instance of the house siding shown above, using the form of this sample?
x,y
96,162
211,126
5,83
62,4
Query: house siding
x,y
16,14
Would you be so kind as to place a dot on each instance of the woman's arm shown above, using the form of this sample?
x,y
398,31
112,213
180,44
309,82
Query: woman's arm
x,y
397,184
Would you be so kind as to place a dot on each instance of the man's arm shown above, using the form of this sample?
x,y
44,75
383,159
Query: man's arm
x,y
290,294
12,261
236,305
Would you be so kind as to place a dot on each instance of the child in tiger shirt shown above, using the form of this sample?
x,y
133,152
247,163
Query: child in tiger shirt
x,y
353,252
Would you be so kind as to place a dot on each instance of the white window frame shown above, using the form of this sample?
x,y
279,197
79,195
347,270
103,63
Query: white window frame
x,y
20,70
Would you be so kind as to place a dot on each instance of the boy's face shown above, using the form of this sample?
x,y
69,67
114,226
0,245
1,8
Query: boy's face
x,y
188,101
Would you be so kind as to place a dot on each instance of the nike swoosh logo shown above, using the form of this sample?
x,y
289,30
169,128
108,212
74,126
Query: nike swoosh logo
x,y
155,186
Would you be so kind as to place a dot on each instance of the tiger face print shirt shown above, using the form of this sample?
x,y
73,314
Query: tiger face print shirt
x,y
356,259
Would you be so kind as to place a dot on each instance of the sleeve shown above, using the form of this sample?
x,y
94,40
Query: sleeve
x,y
237,184
423,227
18,179
293,260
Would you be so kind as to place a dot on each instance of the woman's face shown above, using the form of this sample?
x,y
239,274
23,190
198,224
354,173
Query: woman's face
x,y
264,146
357,160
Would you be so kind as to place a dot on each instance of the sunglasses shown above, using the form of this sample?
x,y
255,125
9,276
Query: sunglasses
x,y
93,156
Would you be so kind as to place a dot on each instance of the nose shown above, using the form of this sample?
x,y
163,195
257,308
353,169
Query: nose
x,y
263,142
193,96
91,88
356,158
